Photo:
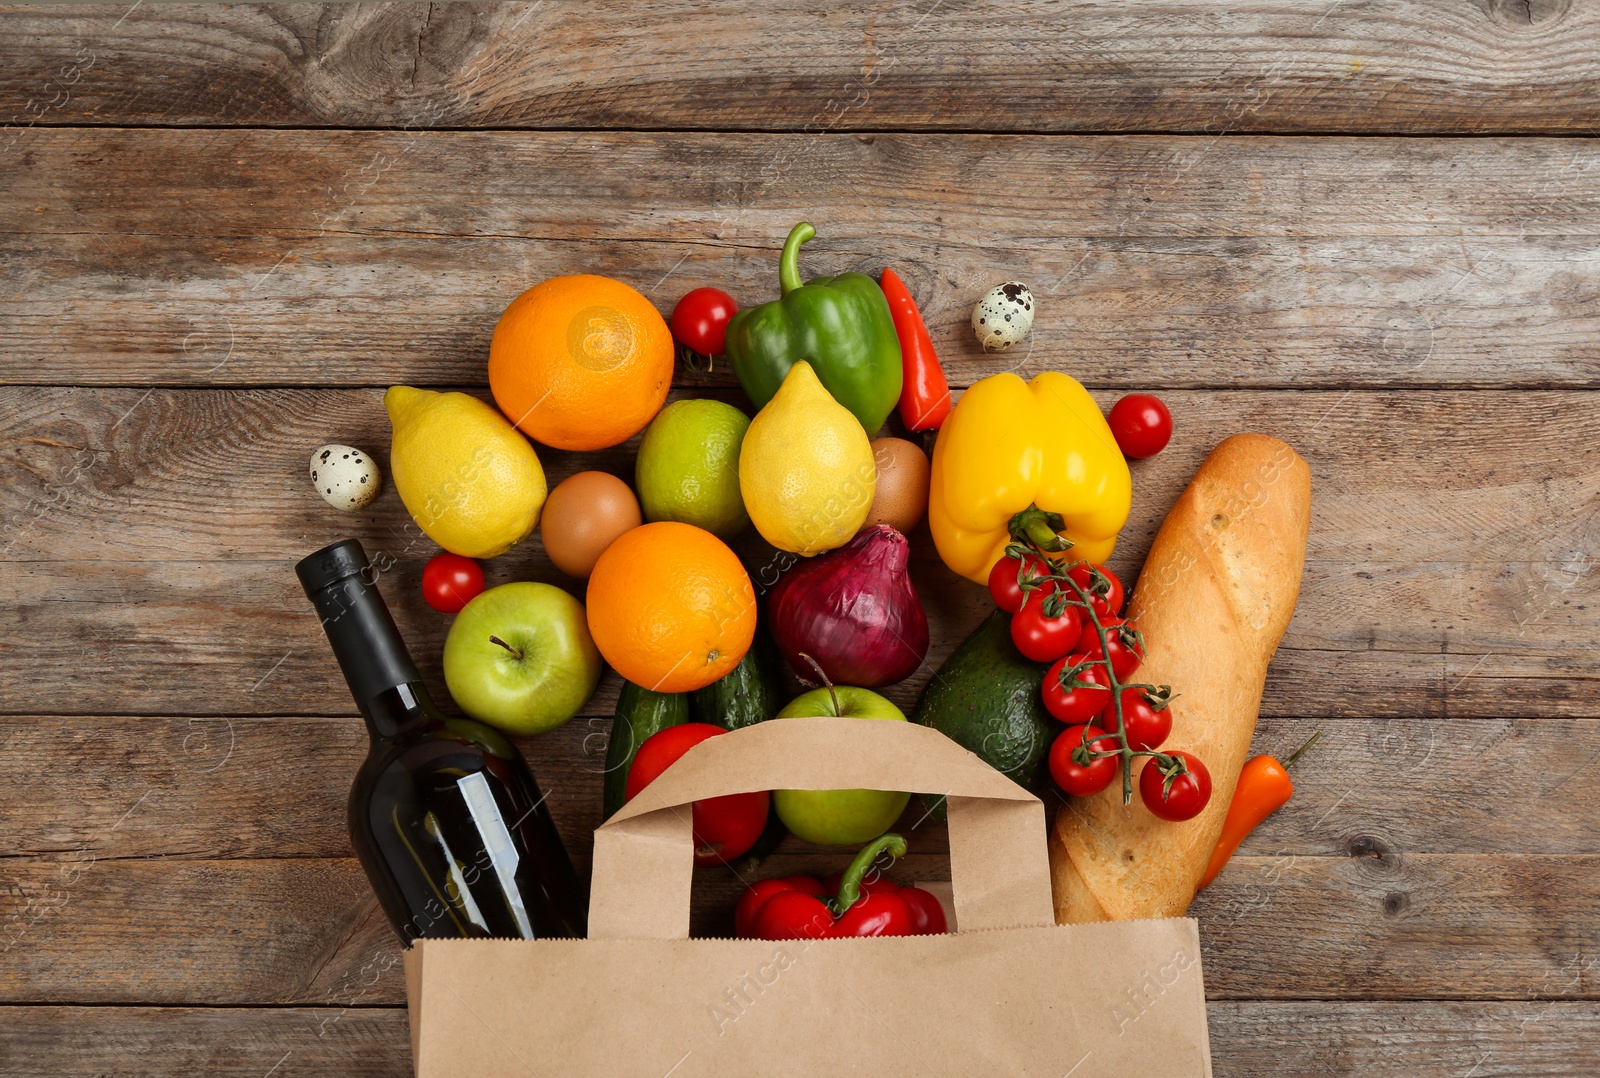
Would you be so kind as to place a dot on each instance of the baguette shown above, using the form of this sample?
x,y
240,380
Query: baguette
x,y
1214,599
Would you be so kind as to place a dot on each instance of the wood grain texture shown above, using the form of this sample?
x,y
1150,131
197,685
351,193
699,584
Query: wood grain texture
x,y
248,257
307,931
105,788
1449,569
1176,65
1249,1039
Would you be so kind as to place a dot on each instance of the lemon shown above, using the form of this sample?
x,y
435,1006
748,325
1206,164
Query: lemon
x,y
806,470
469,480
688,467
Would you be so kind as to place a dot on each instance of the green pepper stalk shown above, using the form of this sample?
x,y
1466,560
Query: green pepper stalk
x,y
850,881
1040,529
789,260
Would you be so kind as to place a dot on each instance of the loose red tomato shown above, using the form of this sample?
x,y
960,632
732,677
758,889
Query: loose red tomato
x,y
1181,799
1073,765
1008,576
1076,703
1105,590
1045,630
1141,425
724,827
450,582
700,320
1127,647
1145,724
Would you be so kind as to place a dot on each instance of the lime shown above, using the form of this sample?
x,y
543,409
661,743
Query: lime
x,y
688,468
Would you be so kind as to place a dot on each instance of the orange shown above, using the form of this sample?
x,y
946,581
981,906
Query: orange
x,y
670,607
580,362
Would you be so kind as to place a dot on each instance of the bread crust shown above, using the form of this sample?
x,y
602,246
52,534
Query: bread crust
x,y
1215,596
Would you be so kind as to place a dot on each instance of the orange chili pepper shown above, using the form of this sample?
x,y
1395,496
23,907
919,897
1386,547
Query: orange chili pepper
x,y
1263,789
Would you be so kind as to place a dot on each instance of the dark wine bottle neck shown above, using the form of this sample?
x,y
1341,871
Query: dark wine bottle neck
x,y
382,678
398,709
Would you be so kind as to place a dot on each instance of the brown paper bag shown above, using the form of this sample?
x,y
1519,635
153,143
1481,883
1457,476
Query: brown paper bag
x,y
1010,992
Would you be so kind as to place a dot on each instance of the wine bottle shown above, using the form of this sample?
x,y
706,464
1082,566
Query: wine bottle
x,y
444,814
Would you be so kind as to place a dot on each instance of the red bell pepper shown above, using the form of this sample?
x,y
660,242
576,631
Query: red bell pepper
x,y
797,907
924,392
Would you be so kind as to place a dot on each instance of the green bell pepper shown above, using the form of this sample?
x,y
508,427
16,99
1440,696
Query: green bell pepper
x,y
841,325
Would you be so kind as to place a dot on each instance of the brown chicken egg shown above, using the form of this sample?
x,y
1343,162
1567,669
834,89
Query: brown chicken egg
x,y
582,516
902,493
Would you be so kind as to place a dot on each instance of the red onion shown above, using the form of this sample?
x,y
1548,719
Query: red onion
x,y
854,611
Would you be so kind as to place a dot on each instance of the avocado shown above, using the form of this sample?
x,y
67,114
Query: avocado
x,y
986,698
640,713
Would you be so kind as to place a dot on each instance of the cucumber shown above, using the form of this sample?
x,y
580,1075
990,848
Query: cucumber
x,y
750,693
986,698
640,713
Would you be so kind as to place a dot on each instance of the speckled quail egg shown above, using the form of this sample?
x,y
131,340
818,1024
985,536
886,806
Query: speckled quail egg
x,y
1003,316
346,477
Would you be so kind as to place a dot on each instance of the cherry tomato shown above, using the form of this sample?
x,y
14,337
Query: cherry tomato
x,y
1087,778
1108,604
700,320
1005,586
450,582
1145,726
1044,636
724,827
1141,425
1187,795
1076,704
1127,650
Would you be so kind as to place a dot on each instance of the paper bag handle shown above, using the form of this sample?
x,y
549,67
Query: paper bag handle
x,y
644,855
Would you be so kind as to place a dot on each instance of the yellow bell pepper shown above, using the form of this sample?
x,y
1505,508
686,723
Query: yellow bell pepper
x,y
1012,446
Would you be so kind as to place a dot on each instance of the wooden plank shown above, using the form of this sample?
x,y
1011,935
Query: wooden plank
x,y
304,931
293,257
1449,562
107,788
1403,1040
92,1042
1249,1039
1176,65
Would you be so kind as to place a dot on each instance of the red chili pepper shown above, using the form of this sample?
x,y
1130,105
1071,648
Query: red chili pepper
x,y
924,393
796,907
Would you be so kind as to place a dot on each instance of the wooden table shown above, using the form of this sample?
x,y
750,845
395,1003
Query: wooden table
x,y
226,229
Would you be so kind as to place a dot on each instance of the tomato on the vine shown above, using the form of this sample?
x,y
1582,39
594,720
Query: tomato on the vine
x,y
1145,718
724,827
1076,703
1007,577
1125,643
700,320
1107,605
1184,796
1046,629
450,582
1141,425
1073,765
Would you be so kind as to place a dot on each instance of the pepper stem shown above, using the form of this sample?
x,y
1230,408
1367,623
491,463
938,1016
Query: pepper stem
x,y
1302,750
1040,529
850,881
789,261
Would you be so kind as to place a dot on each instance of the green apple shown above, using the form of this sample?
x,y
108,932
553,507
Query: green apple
x,y
840,817
520,657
